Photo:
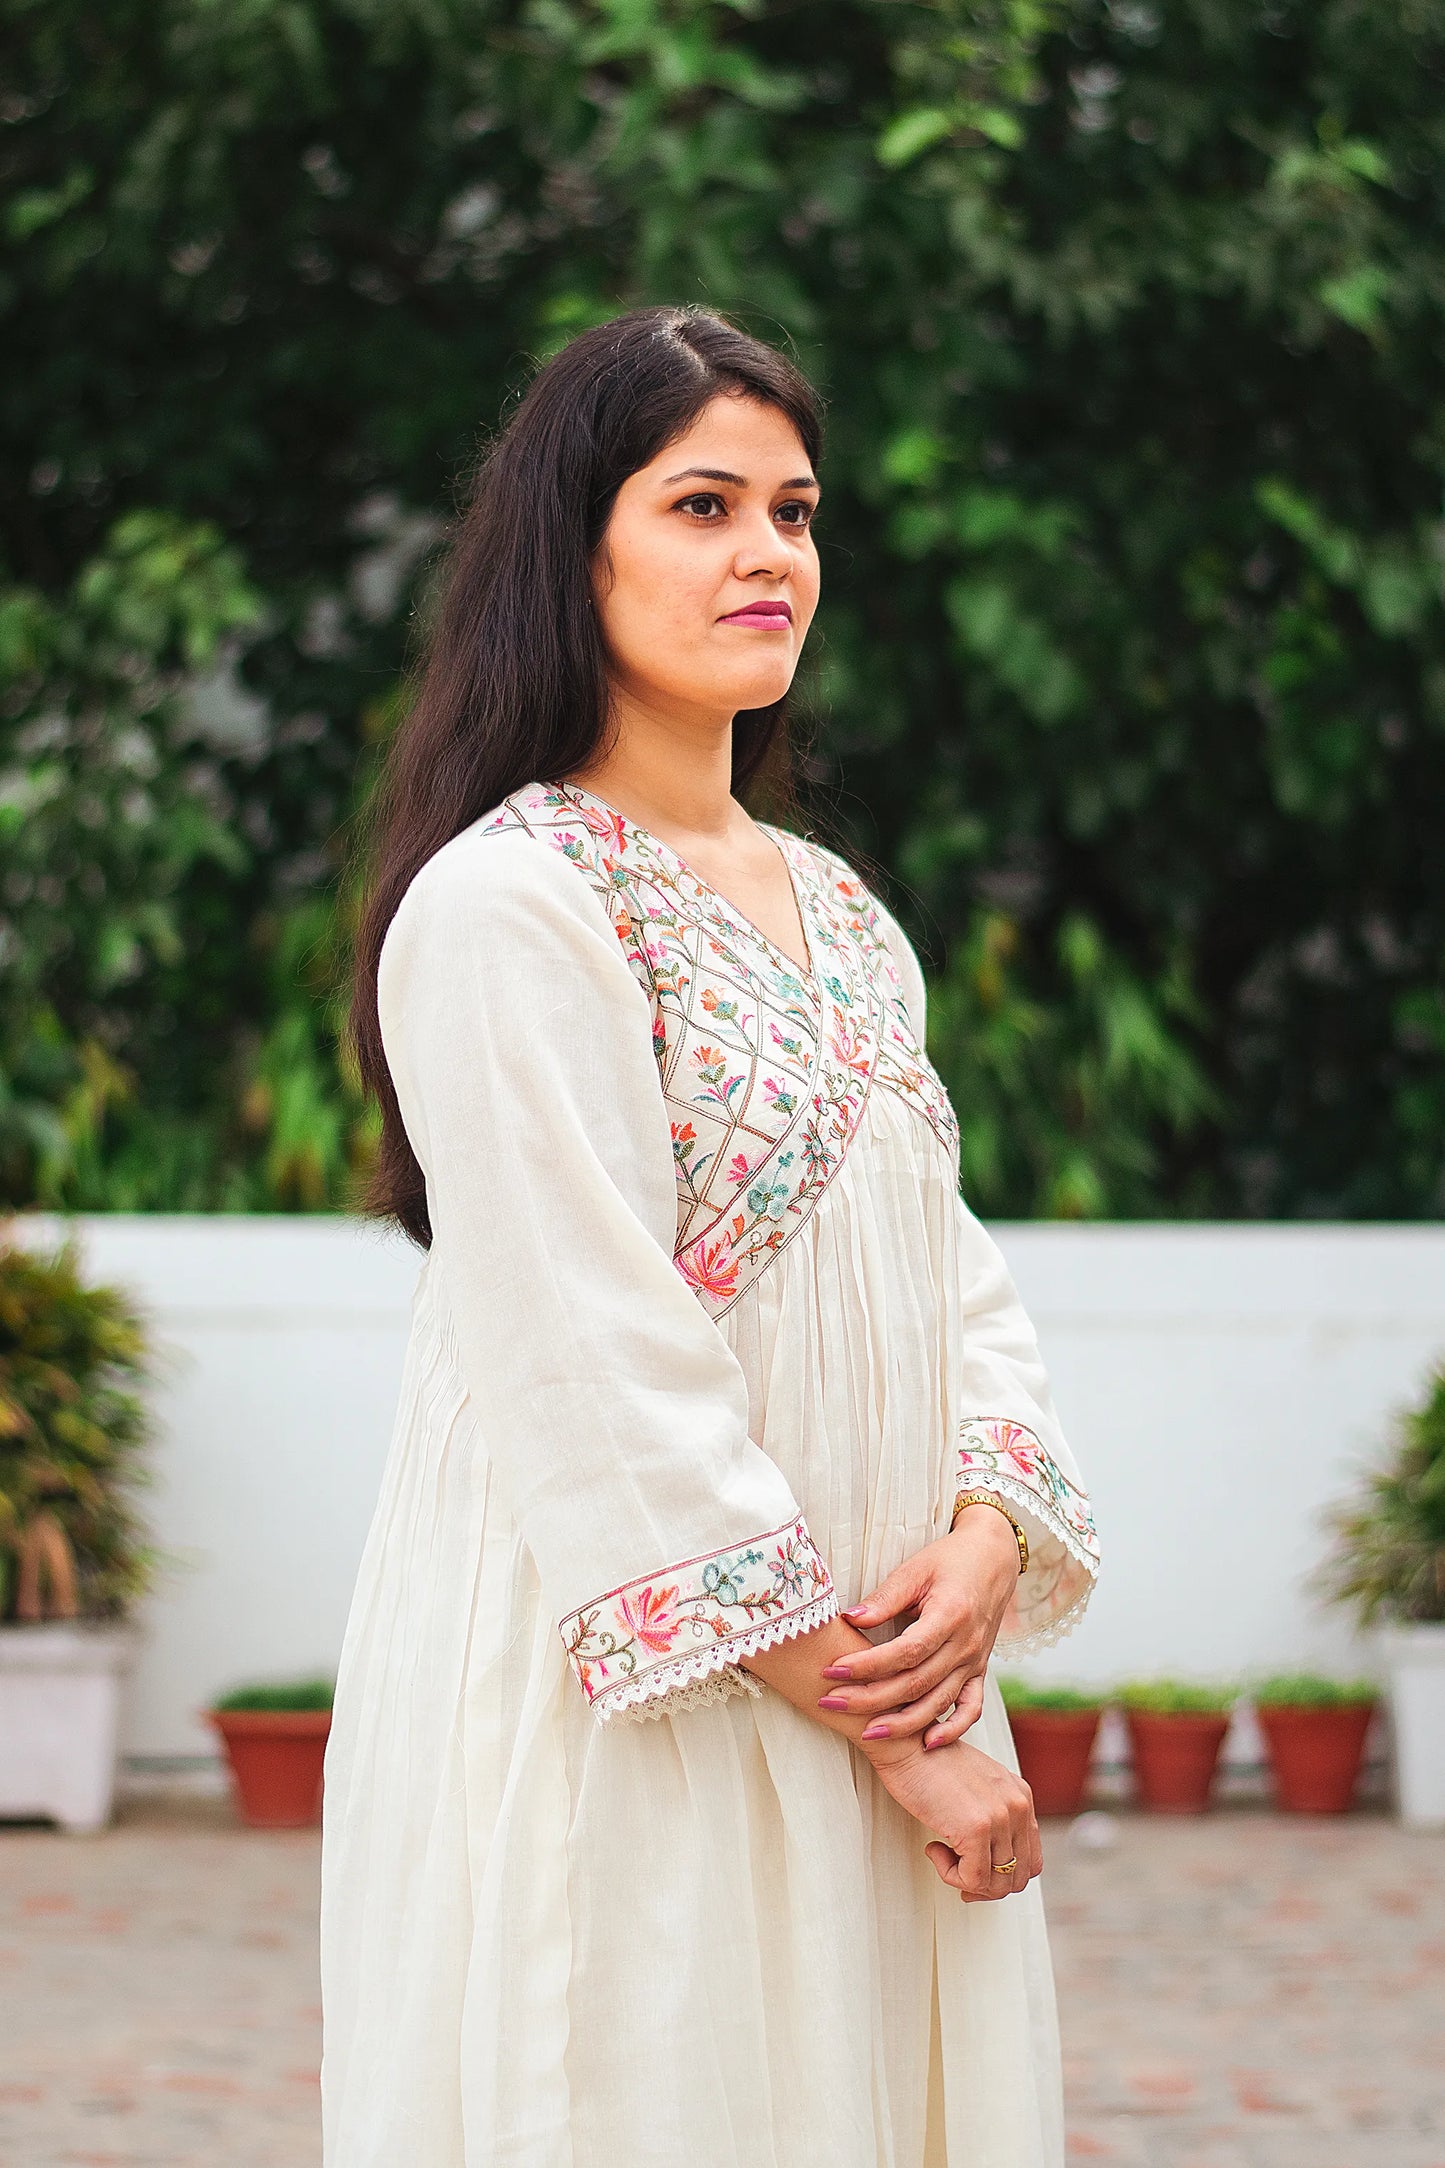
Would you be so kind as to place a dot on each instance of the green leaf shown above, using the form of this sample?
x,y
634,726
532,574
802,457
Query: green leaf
x,y
909,135
1358,296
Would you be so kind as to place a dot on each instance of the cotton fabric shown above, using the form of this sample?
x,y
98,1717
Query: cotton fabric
x,y
705,1344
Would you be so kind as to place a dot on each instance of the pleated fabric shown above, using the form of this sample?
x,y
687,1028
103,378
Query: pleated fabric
x,y
709,1936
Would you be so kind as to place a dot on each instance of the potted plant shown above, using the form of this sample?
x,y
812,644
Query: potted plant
x,y
1314,1733
275,1741
73,1433
1054,1730
1388,1565
1175,1734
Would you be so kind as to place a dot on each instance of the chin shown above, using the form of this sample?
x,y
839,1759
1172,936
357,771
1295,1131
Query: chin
x,y
760,689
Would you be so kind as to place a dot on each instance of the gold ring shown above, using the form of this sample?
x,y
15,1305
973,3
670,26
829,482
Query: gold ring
x,y
1006,1866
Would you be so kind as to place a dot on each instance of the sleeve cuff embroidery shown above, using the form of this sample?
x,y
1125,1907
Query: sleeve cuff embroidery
x,y
997,1454
645,1648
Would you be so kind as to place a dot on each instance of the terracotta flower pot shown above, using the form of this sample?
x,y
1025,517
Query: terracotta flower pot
x,y
1175,1757
1054,1749
1315,1754
276,1759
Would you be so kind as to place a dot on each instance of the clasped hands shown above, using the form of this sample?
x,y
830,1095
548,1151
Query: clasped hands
x,y
929,1678
890,1700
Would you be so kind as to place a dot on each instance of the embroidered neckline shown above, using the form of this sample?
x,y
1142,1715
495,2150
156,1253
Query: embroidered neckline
x,y
766,1073
703,890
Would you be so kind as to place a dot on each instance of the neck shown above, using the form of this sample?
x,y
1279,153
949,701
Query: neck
x,y
665,770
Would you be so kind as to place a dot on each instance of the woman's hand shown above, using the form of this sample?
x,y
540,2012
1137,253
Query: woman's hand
x,y
981,1813
960,1589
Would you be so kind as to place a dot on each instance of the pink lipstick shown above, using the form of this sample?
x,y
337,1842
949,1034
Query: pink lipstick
x,y
770,616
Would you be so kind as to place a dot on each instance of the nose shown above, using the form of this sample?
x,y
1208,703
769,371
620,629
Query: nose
x,y
761,550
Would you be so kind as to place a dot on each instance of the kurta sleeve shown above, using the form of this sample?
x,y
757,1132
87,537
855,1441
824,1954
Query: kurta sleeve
x,y
615,1416
1009,1439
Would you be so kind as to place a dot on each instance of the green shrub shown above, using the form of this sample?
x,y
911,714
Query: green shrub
x,y
303,1694
1308,1690
74,1429
1388,1555
1131,661
1175,1697
1021,1694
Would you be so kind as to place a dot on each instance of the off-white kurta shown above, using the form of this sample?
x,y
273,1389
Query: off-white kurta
x,y
705,1345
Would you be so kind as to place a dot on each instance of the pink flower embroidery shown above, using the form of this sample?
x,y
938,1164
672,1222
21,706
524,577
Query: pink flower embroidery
x,y
709,1267
652,1616
608,827
849,1042
739,1170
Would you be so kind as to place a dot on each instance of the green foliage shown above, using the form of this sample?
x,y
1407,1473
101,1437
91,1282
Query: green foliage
x,y
1131,664
1083,1043
1064,1700
1388,1555
1309,1690
1176,1697
131,893
73,1433
304,1694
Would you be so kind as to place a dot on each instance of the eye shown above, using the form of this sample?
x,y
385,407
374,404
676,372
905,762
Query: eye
x,y
702,505
797,512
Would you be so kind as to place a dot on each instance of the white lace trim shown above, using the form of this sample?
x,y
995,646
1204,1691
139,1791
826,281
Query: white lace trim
x,y
1020,1493
722,1685
1049,1631
708,1675
1055,1629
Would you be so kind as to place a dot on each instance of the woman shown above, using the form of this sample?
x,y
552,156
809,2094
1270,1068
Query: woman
x,y
720,1410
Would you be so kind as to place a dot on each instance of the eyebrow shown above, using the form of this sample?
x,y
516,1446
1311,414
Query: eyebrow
x,y
739,481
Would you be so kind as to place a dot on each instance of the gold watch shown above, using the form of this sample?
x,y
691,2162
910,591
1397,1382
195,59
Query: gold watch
x,y
989,1498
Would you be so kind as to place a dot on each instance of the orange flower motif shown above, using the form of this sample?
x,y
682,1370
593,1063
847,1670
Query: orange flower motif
x,y
709,1267
608,827
848,1044
652,1616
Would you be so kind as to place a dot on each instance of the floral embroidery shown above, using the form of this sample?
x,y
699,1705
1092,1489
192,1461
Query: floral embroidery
x,y
766,1071
995,1453
651,1637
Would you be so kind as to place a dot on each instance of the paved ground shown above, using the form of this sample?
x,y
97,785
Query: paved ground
x,y
1240,1992
1248,1991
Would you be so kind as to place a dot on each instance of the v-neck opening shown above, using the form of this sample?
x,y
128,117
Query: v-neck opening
x,y
806,974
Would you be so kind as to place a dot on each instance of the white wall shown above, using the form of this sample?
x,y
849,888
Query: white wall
x,y
1219,1384
281,1343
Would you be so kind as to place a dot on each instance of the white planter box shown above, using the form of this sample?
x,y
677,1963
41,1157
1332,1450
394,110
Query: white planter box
x,y
1415,1658
59,1703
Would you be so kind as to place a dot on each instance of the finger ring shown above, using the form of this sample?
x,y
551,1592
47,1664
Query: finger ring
x,y
1006,1866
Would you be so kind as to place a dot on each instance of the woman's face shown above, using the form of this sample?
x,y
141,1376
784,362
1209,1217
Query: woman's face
x,y
707,575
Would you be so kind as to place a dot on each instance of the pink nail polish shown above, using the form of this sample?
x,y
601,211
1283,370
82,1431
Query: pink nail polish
x,y
855,1610
876,1731
832,1701
836,1671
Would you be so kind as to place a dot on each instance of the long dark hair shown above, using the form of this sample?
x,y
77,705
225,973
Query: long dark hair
x,y
513,687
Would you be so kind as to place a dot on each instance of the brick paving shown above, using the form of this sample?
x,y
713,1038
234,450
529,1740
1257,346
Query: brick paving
x,y
1252,1991
158,1996
1238,1992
